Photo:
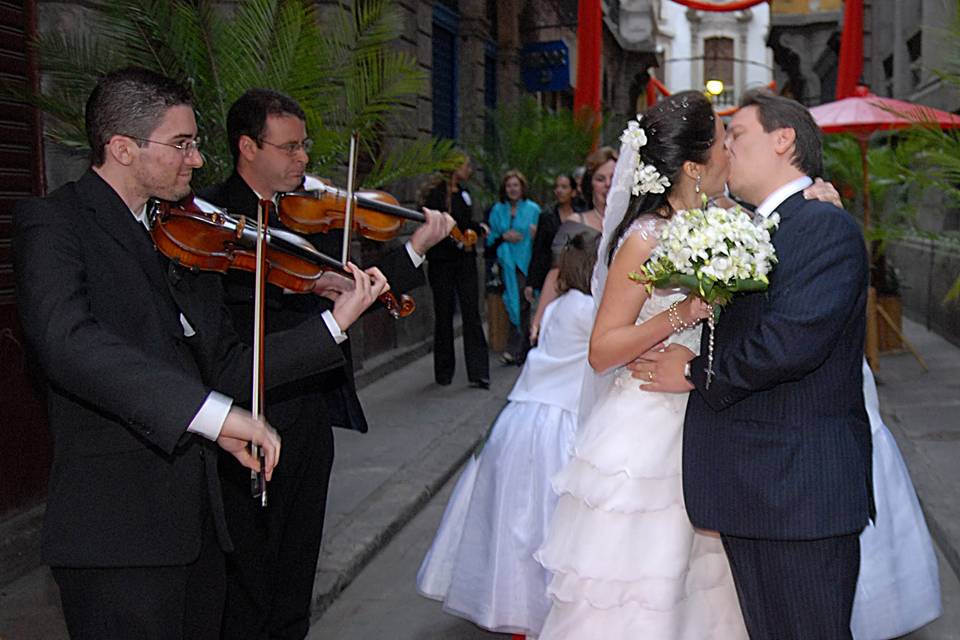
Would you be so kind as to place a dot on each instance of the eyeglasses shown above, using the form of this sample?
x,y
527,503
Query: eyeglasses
x,y
186,147
291,148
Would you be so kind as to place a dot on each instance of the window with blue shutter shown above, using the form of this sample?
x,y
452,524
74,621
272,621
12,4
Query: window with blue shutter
x,y
446,25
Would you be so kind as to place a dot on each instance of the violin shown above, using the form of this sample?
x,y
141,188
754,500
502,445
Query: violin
x,y
376,215
198,235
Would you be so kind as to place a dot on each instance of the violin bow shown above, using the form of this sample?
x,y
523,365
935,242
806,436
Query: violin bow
x,y
258,479
349,204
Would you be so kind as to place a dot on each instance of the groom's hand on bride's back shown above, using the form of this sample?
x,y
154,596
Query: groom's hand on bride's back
x,y
662,369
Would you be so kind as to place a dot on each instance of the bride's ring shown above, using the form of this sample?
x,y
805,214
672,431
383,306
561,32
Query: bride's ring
x,y
650,375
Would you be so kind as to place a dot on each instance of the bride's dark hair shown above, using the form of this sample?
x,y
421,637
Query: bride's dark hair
x,y
679,129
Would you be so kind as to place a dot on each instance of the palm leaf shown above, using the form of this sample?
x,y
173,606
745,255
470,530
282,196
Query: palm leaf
x,y
537,142
413,158
345,76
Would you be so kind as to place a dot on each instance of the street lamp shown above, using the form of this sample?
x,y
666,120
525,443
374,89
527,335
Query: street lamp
x,y
714,87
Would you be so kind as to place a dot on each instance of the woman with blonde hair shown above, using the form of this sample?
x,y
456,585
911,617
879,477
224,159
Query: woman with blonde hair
x,y
452,272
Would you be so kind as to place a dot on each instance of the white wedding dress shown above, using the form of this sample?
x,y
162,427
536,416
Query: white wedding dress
x,y
627,563
899,585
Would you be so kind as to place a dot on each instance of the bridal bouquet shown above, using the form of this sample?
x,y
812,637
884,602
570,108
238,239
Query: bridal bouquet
x,y
714,252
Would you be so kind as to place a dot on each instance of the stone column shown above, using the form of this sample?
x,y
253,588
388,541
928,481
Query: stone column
x,y
508,50
902,82
474,33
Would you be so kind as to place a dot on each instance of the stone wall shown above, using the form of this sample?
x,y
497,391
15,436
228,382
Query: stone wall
x,y
927,269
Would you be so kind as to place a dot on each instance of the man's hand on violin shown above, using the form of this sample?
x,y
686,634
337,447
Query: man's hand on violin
x,y
435,228
368,285
331,284
239,430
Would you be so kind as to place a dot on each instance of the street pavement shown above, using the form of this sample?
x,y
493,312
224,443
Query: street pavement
x,y
382,602
384,502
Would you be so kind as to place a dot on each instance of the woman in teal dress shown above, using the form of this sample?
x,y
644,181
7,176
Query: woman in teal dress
x,y
513,223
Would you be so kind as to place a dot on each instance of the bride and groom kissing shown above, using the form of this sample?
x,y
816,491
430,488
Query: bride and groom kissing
x,y
692,506
777,449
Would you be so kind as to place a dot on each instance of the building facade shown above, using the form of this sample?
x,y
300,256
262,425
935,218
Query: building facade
x,y
906,44
698,46
805,39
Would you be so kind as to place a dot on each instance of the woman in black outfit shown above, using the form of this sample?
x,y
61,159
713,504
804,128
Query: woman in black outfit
x,y
565,193
452,271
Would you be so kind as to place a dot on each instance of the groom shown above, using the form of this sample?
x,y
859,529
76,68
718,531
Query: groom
x,y
776,450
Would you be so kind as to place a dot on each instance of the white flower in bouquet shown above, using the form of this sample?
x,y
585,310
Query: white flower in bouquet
x,y
714,252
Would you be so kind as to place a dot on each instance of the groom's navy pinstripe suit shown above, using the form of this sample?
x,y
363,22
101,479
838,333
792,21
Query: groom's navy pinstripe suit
x,y
778,447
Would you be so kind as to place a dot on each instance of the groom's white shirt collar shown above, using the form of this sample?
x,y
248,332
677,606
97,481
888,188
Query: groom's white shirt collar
x,y
775,199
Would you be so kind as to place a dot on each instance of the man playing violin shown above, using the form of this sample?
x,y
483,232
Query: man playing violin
x,y
270,574
142,367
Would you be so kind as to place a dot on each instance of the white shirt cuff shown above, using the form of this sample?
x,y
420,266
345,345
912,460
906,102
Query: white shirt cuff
x,y
335,330
415,257
210,418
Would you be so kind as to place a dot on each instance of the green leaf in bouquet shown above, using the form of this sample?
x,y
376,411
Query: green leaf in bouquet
x,y
748,285
677,280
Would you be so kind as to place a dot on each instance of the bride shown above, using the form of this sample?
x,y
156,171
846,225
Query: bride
x,y
626,561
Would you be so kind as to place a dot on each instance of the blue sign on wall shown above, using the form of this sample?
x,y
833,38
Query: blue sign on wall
x,y
545,66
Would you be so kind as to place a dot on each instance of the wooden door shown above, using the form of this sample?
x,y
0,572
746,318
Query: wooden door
x,y
24,438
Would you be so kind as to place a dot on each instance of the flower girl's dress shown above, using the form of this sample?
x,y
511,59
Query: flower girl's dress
x,y
481,562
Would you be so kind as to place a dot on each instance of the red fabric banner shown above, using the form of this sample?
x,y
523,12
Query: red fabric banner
x,y
654,86
706,5
589,56
851,49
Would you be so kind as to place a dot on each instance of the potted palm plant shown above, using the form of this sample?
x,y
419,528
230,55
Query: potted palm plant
x,y
892,216
339,66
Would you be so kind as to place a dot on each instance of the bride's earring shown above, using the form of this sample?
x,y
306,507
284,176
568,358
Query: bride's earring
x,y
698,184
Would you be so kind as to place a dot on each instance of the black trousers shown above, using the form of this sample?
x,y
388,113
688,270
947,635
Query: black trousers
x,y
271,571
183,602
795,590
449,279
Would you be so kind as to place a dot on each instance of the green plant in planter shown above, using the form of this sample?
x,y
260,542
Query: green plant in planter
x,y
338,65
539,143
892,214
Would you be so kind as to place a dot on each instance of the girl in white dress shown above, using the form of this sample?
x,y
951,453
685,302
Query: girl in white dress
x,y
481,562
627,562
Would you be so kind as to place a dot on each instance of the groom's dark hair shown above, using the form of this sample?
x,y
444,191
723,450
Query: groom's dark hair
x,y
778,112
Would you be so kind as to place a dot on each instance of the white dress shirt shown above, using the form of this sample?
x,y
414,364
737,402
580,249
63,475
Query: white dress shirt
x,y
775,199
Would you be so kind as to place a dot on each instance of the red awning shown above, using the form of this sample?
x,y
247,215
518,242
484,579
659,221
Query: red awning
x,y
865,113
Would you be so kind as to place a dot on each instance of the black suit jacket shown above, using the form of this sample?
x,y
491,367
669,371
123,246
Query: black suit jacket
x,y
441,199
334,391
101,309
779,445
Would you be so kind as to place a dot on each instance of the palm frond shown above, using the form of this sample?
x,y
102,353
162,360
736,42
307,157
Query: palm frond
x,y
411,159
345,76
537,142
